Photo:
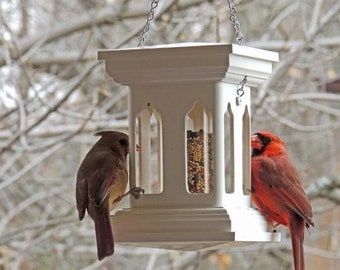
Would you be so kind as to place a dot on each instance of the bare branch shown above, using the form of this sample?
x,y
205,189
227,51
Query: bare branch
x,y
325,187
74,87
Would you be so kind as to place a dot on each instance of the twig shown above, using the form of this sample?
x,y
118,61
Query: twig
x,y
52,109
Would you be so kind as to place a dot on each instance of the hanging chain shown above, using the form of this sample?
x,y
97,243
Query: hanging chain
x,y
240,41
149,19
235,22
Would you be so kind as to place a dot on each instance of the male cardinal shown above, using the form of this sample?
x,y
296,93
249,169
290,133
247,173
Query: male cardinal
x,y
277,190
101,181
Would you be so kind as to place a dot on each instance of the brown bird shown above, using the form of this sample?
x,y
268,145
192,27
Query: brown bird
x,y
101,181
277,190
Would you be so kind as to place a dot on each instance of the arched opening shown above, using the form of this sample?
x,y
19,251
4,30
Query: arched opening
x,y
229,150
199,150
149,164
246,152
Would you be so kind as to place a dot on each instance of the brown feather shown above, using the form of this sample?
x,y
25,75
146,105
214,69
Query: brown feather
x,y
102,177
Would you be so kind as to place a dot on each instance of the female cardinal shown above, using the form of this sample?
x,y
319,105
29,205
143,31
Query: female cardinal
x,y
101,181
277,190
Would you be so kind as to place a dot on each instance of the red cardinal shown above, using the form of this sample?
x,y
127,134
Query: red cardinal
x,y
101,181
277,190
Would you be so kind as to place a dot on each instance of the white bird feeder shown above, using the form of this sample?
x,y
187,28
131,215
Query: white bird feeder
x,y
194,144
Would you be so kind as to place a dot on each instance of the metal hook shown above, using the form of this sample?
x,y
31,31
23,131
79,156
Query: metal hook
x,y
240,91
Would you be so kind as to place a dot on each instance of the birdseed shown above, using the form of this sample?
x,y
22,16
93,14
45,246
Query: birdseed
x,y
197,182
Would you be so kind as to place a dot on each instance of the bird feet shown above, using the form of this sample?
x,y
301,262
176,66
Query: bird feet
x,y
274,227
135,192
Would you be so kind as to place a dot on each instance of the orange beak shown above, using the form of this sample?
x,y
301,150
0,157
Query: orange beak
x,y
255,142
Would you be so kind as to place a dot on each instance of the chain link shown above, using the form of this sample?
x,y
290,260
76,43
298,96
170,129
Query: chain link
x,y
233,19
240,41
236,24
149,19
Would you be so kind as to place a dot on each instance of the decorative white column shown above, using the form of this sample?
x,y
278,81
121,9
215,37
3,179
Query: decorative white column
x,y
182,107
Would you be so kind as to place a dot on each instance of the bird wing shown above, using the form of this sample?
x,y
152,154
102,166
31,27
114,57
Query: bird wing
x,y
81,195
281,179
104,180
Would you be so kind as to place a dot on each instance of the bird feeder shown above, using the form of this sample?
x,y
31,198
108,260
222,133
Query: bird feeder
x,y
190,117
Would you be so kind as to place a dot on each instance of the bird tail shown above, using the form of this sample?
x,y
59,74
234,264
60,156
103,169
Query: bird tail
x,y
297,232
104,236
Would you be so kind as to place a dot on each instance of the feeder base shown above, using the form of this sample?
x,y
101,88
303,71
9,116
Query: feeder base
x,y
183,229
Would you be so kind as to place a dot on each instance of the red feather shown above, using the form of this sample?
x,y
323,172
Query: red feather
x,y
277,190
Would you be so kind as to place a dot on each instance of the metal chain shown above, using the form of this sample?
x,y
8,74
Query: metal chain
x,y
235,22
233,19
240,41
149,19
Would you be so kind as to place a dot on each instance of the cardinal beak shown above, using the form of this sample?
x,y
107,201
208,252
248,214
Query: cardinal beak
x,y
255,142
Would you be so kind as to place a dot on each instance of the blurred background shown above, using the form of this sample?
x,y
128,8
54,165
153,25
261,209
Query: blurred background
x,y
54,95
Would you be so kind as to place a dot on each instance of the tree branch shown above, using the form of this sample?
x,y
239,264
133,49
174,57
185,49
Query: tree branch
x,y
74,87
325,187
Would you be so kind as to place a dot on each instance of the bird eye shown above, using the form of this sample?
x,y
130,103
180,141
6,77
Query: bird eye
x,y
267,140
263,139
124,142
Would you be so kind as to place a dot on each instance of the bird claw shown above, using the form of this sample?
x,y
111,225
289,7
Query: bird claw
x,y
251,190
136,191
